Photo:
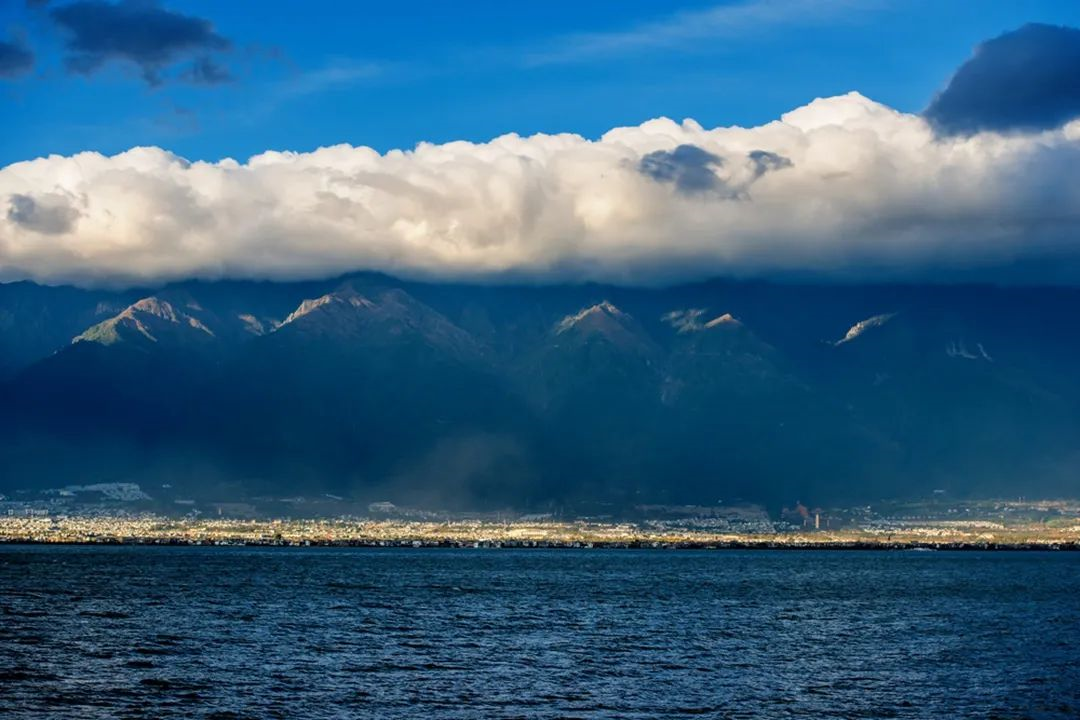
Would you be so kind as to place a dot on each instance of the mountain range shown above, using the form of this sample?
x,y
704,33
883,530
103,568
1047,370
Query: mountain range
x,y
478,396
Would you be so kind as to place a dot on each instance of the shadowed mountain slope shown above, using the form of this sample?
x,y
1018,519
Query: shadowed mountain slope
x,y
483,396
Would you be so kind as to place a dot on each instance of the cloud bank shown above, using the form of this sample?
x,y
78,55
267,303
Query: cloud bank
x,y
841,186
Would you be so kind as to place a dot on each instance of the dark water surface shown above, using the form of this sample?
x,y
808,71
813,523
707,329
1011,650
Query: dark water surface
x,y
142,632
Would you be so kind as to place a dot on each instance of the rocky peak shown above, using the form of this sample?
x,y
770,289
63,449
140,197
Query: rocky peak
x,y
148,319
606,322
376,317
725,320
593,317
690,320
862,326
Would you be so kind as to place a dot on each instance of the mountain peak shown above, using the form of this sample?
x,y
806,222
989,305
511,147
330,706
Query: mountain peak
x,y
146,320
253,325
727,319
593,315
863,325
608,323
152,306
689,320
378,317
346,296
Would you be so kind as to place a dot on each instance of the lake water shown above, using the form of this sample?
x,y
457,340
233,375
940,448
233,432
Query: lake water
x,y
143,632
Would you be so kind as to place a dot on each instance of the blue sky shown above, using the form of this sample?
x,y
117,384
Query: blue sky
x,y
388,75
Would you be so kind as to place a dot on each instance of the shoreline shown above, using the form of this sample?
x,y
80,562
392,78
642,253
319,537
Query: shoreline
x,y
446,544
152,530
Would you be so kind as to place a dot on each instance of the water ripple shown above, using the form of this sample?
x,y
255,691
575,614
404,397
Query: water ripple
x,y
222,633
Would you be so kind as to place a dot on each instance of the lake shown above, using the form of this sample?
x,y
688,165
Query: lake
x,y
162,632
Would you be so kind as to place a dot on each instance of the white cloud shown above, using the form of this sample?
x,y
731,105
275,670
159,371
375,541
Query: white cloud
x,y
850,185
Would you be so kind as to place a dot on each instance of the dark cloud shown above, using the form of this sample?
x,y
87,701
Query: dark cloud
x,y
205,71
693,170
139,32
1028,79
690,168
765,161
15,59
51,214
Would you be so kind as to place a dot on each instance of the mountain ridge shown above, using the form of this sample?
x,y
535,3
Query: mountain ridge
x,y
525,395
